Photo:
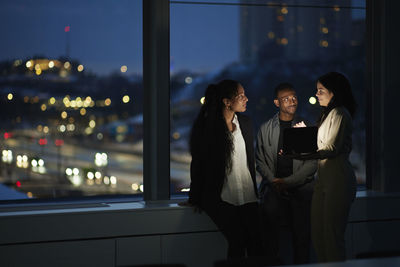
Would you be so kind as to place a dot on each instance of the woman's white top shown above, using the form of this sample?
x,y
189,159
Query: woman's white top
x,y
238,188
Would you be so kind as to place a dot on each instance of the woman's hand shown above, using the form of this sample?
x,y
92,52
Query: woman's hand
x,y
300,125
196,209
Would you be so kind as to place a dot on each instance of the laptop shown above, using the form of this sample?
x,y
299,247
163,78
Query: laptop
x,y
302,140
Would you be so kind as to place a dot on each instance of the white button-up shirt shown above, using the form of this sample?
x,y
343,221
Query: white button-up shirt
x,y
238,187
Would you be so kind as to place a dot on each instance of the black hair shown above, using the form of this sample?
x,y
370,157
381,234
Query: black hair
x,y
282,87
209,130
340,86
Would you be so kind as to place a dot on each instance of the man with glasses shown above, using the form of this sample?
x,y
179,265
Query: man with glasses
x,y
286,187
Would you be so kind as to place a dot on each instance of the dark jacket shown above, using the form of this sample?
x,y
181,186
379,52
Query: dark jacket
x,y
207,171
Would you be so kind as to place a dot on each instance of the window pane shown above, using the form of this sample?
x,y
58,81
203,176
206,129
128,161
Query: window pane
x,y
261,45
71,98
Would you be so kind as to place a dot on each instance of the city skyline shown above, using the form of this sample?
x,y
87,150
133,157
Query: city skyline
x,y
104,36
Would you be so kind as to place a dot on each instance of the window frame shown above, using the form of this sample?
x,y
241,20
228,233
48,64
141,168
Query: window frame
x,y
156,84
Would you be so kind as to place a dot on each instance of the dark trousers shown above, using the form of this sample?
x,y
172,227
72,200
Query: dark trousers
x,y
292,209
241,227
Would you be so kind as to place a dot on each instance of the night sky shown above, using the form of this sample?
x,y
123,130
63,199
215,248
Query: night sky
x,y
106,34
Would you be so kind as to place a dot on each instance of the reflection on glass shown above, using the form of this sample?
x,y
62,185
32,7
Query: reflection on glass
x,y
262,44
71,115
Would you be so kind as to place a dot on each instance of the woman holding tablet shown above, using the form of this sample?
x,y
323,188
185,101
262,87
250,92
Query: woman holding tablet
x,y
336,184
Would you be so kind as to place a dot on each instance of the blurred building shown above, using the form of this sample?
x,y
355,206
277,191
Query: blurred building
x,y
298,32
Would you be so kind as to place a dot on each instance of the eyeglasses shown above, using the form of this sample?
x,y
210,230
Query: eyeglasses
x,y
286,99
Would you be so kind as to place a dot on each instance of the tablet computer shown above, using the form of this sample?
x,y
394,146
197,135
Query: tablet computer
x,y
302,140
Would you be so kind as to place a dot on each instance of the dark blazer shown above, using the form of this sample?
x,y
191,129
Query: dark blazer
x,y
207,171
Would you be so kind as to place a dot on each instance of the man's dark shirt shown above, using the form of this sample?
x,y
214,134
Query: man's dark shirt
x,y
284,166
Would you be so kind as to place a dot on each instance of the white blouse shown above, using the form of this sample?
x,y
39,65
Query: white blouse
x,y
238,188
334,135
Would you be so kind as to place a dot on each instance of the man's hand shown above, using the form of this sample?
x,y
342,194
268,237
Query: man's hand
x,y
279,184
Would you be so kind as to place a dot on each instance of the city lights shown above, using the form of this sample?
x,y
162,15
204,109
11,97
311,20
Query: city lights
x,y
87,102
64,115
22,161
63,73
188,80
271,35
80,68
73,176
125,98
113,180
34,163
52,101
68,171
51,64
176,135
92,124
101,159
135,187
67,65
203,100
70,127
10,96
312,100
124,69
17,62
75,171
59,142
90,175
88,131
7,156
323,43
62,128
107,102
66,101
43,107
7,135
42,141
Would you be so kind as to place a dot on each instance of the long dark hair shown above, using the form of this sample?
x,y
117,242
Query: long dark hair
x,y
340,86
210,129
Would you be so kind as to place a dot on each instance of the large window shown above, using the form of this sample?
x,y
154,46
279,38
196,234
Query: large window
x,y
71,96
71,88
261,44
